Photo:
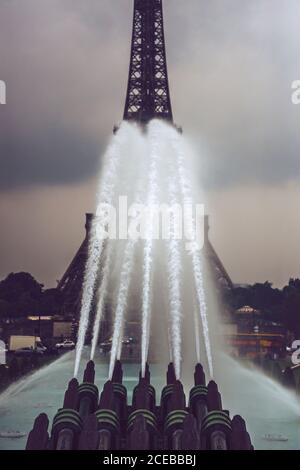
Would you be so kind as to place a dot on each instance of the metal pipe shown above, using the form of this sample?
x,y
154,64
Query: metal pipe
x,y
218,440
65,439
177,439
85,406
200,412
105,439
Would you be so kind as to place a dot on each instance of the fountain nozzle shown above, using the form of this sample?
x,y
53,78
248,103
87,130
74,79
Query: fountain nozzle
x,y
89,373
214,400
117,376
199,375
71,395
171,376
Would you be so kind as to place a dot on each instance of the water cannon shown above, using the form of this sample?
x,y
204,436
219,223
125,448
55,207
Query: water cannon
x,y
199,375
89,373
167,391
174,420
150,390
88,392
171,376
239,438
117,376
116,425
108,419
214,399
119,393
142,421
198,396
67,423
38,438
216,426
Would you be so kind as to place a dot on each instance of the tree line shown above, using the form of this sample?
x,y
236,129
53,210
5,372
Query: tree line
x,y
21,295
277,305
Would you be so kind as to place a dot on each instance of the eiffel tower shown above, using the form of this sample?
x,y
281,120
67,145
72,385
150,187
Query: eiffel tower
x,y
147,97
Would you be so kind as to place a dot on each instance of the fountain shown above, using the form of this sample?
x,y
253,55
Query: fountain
x,y
149,161
111,424
155,173
266,406
161,166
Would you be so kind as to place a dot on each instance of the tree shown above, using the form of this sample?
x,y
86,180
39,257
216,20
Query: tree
x,y
265,297
16,284
294,284
5,308
238,297
291,310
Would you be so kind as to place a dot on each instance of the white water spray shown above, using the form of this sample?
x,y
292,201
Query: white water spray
x,y
200,292
148,246
197,334
91,271
148,168
174,270
120,345
102,296
107,185
125,278
186,192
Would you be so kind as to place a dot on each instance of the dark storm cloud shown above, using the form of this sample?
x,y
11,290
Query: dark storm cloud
x,y
234,67
59,60
53,156
231,66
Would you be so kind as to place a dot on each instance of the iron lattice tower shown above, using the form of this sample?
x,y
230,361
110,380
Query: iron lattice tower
x,y
148,94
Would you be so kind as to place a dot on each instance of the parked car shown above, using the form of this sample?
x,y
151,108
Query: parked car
x,y
129,340
66,344
28,351
52,351
40,348
105,346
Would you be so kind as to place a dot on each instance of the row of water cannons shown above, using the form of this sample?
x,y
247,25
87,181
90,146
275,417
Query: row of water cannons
x,y
86,422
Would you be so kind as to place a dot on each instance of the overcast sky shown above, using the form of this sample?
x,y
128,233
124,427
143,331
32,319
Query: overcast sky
x,y
231,65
